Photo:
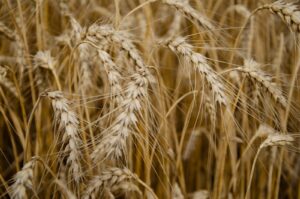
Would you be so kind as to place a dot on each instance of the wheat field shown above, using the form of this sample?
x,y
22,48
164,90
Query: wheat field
x,y
155,99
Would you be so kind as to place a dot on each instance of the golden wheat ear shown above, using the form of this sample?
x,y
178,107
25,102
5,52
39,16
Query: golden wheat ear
x,y
114,181
23,180
68,124
253,71
180,46
192,14
288,12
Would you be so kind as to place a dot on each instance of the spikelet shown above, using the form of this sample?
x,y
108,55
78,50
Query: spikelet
x,y
180,46
43,59
22,181
252,70
264,130
68,124
176,192
114,180
212,112
200,194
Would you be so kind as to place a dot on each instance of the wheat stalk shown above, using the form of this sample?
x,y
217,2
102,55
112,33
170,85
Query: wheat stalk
x,y
174,27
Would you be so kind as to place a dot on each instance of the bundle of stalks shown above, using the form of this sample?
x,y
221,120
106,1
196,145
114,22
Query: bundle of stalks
x,y
149,99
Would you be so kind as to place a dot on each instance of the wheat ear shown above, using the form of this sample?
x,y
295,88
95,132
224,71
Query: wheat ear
x,y
192,14
114,76
44,59
106,34
114,142
114,180
22,181
84,55
68,124
253,71
288,12
274,139
181,47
